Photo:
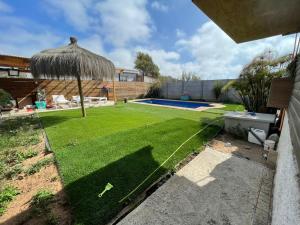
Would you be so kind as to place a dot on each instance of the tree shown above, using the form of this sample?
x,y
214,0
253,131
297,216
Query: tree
x,y
253,84
145,63
186,77
163,78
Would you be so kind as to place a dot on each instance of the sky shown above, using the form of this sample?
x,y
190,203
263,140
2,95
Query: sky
x,y
177,35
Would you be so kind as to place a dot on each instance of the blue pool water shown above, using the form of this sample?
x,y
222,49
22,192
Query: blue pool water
x,y
182,104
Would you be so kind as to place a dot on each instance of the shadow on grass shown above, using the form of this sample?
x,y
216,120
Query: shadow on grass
x,y
223,194
124,174
217,120
51,120
128,172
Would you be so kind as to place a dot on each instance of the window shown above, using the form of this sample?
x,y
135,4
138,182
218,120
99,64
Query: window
x,y
13,73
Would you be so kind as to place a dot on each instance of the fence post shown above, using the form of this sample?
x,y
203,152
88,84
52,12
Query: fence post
x,y
167,89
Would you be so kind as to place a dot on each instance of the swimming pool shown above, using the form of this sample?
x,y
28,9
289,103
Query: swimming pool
x,y
174,103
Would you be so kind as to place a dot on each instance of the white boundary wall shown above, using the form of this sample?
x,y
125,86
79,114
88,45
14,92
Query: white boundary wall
x,y
286,194
200,89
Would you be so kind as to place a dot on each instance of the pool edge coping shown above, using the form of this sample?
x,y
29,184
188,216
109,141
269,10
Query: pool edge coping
x,y
199,109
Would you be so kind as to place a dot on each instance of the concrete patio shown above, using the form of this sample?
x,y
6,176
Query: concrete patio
x,y
214,188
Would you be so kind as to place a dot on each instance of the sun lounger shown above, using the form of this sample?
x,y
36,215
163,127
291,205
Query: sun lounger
x,y
76,99
59,100
98,99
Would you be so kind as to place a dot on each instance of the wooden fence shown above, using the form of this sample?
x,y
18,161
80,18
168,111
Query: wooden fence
x,y
24,90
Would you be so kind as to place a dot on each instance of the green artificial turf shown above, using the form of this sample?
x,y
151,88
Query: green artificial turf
x,y
228,107
120,145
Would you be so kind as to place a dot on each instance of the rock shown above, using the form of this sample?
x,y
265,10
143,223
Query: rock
x,y
227,144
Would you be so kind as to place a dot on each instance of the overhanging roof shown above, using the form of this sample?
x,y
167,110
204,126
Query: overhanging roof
x,y
14,61
247,20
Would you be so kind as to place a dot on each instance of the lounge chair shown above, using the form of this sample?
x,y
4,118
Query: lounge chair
x,y
104,99
60,99
99,99
76,99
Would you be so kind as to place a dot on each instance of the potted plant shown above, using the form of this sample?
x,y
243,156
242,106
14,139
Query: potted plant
x,y
185,97
41,96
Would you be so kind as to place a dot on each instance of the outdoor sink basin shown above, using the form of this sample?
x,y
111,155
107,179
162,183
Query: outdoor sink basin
x,y
238,123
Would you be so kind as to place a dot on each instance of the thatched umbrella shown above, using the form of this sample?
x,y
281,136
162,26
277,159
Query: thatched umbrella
x,y
71,61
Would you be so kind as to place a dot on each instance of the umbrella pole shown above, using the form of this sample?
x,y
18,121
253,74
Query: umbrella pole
x,y
81,97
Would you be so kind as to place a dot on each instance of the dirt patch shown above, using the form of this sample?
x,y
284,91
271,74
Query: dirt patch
x,y
20,209
227,144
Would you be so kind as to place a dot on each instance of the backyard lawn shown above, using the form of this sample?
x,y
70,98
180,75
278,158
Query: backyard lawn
x,y
120,145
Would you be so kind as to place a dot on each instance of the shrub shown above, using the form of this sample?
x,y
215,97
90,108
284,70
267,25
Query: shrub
x,y
7,194
40,204
11,157
38,166
2,167
254,82
41,200
5,98
28,154
154,91
11,172
217,89
52,219
21,131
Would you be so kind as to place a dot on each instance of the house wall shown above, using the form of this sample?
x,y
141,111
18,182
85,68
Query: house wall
x,y
148,79
286,194
200,89
294,111
286,200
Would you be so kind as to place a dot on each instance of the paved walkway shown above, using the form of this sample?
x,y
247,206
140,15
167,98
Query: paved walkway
x,y
215,188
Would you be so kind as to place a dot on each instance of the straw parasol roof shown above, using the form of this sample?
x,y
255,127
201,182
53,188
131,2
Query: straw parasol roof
x,y
71,61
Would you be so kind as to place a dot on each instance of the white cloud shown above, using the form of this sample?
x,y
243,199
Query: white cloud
x,y
124,22
122,57
180,33
23,37
113,28
5,7
75,12
93,43
215,55
159,6
29,44
119,22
